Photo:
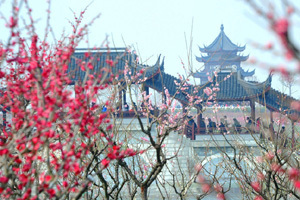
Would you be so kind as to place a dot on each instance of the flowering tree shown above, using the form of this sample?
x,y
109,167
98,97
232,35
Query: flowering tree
x,y
271,171
59,142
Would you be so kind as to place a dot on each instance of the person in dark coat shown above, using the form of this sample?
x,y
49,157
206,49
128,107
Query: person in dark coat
x,y
249,124
222,126
211,126
237,126
202,126
126,107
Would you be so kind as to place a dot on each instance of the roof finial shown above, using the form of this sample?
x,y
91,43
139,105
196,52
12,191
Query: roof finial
x,y
222,27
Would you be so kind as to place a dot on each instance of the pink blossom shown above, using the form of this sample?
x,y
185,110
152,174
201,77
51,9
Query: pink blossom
x,y
221,196
269,45
256,186
145,139
205,188
207,91
281,26
293,173
198,167
258,197
260,176
290,10
270,155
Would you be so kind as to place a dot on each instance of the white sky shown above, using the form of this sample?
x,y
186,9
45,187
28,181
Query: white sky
x,y
159,27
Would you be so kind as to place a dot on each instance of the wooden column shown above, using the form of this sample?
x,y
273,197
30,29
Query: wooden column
x,y
252,106
199,118
271,116
124,96
147,90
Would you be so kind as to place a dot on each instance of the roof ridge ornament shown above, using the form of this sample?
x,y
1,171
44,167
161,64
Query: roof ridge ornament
x,y
222,27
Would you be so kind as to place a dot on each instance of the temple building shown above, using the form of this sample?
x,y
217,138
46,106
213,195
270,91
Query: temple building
x,y
222,65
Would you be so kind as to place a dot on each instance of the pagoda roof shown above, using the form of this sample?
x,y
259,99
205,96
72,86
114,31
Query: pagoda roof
x,y
221,43
222,58
203,73
120,57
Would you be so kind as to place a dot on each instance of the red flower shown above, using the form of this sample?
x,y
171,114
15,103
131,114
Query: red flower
x,y
48,178
297,185
109,127
3,152
105,162
65,184
3,179
12,22
51,192
110,62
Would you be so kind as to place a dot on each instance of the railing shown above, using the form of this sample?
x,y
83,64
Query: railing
x,y
191,131
131,113
126,114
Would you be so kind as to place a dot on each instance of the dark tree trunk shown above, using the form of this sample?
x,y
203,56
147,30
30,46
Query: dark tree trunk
x,y
144,191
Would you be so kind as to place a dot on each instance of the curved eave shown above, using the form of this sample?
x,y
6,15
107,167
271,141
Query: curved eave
x,y
199,59
256,89
265,84
238,49
222,59
246,73
150,72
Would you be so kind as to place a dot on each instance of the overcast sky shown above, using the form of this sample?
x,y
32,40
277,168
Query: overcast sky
x,y
163,26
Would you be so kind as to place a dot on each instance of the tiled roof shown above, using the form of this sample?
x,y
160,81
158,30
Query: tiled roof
x,y
162,80
100,61
278,102
234,88
231,89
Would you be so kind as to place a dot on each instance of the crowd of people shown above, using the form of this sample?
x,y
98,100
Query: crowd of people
x,y
223,126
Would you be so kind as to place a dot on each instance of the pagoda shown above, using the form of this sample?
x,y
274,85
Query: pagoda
x,y
221,55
